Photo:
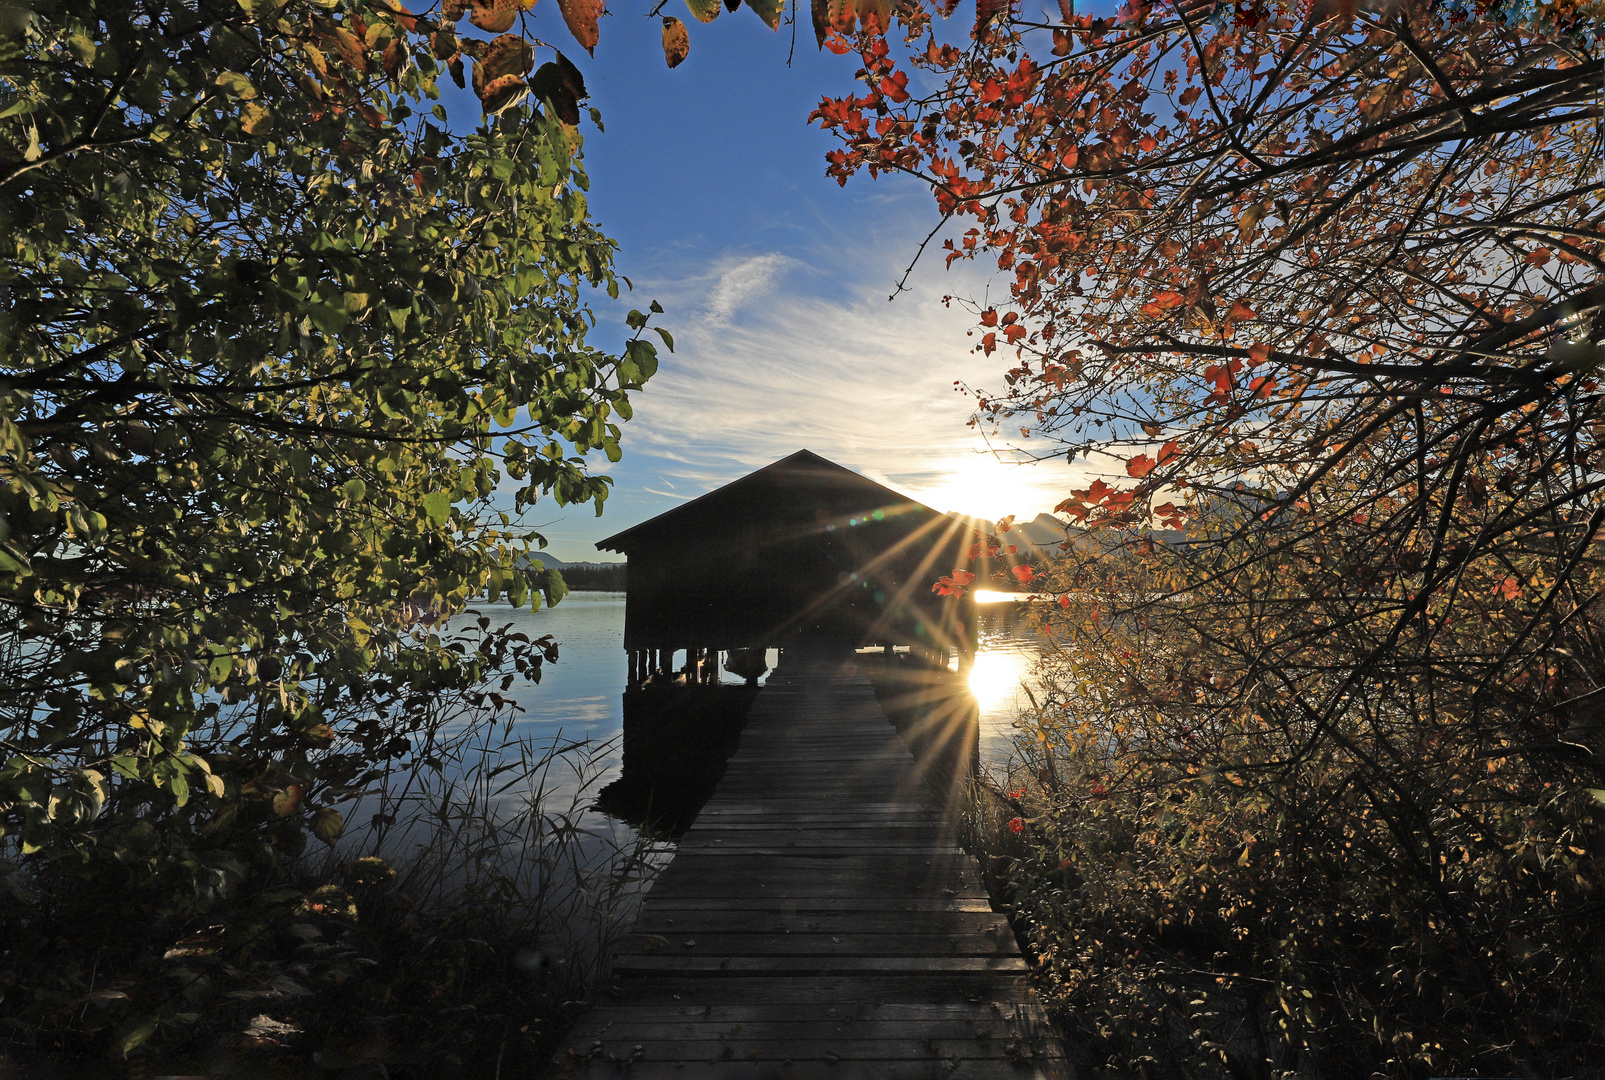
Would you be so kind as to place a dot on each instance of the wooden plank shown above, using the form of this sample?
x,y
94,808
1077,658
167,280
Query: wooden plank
x,y
776,966
976,1012
845,991
814,1070
818,916
822,904
738,920
739,1048
628,1027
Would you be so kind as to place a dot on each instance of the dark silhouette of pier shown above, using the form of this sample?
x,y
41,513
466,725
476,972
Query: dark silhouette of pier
x,y
819,918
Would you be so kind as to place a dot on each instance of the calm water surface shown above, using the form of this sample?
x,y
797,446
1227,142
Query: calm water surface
x,y
581,696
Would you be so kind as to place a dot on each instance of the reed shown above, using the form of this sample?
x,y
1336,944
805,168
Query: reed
x,y
449,932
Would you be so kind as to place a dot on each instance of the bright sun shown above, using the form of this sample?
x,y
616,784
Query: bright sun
x,y
984,487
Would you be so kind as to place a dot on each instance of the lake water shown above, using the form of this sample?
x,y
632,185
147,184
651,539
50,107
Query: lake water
x,y
581,696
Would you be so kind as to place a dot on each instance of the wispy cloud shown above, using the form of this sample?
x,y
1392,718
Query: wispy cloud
x,y
747,279
866,383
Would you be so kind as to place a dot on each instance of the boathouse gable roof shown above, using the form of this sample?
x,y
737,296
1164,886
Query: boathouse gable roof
x,y
798,485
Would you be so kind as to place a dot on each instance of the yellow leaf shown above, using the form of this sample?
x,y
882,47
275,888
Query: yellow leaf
x,y
255,119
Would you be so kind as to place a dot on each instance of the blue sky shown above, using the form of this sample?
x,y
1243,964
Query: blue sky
x,y
775,283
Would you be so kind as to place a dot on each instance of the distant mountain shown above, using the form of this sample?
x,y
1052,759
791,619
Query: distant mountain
x,y
1041,537
554,563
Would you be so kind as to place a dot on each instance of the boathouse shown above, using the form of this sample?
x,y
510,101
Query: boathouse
x,y
802,548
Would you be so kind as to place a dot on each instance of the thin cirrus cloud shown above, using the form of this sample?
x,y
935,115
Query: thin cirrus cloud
x,y
779,358
750,277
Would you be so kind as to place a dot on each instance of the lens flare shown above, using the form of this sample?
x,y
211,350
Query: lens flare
x,y
995,679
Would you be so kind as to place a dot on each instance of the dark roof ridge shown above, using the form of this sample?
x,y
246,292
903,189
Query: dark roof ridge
x,y
611,543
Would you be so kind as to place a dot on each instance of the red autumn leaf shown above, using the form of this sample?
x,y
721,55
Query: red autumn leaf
x,y
1004,524
1167,451
1241,312
989,317
1023,573
1508,589
1064,601
1258,354
1140,466
1162,302
953,584
1262,386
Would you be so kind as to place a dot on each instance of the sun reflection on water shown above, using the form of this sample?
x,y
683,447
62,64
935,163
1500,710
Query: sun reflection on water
x,y
995,678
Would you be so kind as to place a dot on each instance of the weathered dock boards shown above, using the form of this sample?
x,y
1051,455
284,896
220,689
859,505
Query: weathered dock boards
x,y
818,920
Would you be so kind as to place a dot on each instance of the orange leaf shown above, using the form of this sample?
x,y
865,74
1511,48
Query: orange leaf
x,y
285,802
985,12
1258,354
581,16
494,16
1140,466
1167,452
1023,573
676,42
1064,601
503,93
1241,312
1508,589
1162,302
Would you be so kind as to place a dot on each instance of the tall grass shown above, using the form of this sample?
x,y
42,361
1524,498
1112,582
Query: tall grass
x,y
450,931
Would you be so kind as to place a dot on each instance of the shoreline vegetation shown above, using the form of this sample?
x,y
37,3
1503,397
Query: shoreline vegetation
x,y
599,578
450,935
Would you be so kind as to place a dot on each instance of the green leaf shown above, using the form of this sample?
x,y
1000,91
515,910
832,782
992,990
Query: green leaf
x,y
437,504
641,361
668,339
553,587
328,825
133,1034
635,320
329,318
235,85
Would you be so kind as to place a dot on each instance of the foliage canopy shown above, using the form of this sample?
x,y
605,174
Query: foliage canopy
x,y
273,337
1317,288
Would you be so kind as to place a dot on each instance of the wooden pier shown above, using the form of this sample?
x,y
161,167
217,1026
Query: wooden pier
x,y
818,920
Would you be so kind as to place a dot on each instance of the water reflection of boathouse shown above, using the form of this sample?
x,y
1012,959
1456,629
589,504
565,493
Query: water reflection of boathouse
x,y
800,549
